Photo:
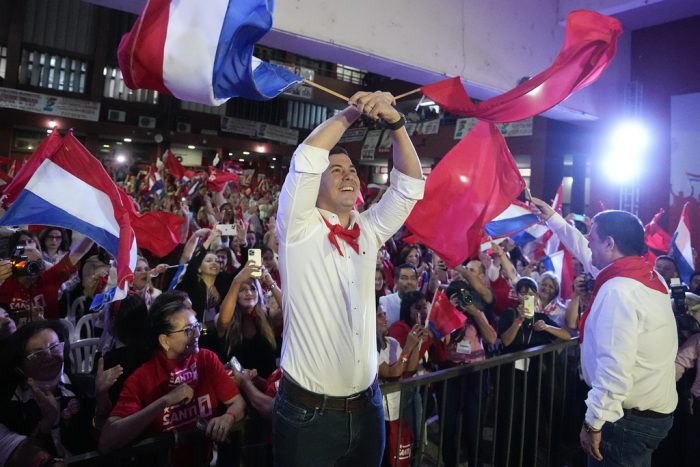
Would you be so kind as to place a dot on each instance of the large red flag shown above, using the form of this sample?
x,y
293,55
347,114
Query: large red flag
x,y
218,179
589,46
475,181
479,171
157,231
173,166
655,237
444,317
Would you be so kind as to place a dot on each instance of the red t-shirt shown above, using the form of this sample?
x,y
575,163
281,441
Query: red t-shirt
x,y
43,302
202,371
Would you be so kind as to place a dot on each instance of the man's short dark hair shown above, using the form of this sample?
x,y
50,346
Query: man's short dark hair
x,y
397,271
339,150
668,258
623,227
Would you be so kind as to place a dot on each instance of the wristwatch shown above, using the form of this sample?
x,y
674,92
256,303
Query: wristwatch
x,y
589,428
397,124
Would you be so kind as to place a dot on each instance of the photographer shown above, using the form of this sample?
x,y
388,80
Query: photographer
x,y
32,291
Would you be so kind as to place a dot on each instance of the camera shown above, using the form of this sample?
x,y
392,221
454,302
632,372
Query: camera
x,y
22,266
464,298
678,296
589,281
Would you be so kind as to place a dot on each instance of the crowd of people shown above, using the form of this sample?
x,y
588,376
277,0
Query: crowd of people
x,y
209,347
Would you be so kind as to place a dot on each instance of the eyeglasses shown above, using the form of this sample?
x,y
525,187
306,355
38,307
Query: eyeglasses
x,y
54,237
54,349
189,330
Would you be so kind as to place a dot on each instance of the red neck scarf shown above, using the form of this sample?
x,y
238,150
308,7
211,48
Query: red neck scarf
x,y
632,267
349,235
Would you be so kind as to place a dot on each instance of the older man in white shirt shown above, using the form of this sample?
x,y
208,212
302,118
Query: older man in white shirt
x,y
628,341
328,410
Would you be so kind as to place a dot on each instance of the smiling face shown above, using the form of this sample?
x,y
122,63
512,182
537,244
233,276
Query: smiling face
x,y
413,257
183,340
599,248
210,265
339,185
547,290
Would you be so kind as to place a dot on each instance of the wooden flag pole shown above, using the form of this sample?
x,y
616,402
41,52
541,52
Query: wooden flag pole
x,y
329,91
405,94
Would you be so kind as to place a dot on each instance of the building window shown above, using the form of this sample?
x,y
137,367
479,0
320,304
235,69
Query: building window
x,y
115,88
350,74
3,61
207,109
45,70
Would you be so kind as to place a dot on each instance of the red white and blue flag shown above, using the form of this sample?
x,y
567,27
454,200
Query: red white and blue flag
x,y
681,246
71,189
202,51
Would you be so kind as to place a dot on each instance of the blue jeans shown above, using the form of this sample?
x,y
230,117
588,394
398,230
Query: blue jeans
x,y
631,440
308,436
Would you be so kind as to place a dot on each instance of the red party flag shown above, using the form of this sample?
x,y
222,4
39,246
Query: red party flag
x,y
218,179
173,166
654,236
444,317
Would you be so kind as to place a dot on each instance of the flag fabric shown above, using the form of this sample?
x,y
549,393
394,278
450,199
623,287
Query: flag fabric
x,y
655,237
693,177
19,179
454,193
176,278
49,194
516,217
444,318
589,46
681,246
218,179
477,180
173,166
202,53
155,182
156,231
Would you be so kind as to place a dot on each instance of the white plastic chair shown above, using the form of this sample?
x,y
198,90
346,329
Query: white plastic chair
x,y
82,354
69,327
86,323
77,309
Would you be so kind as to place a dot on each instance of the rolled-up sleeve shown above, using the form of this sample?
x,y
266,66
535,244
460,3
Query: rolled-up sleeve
x,y
389,214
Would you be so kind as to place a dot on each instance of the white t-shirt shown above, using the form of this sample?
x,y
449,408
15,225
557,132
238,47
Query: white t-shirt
x,y
390,355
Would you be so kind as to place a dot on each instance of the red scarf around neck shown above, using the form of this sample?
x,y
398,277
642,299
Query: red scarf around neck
x,y
632,267
349,235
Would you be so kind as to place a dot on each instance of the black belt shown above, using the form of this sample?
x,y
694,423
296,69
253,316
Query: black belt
x,y
648,413
345,404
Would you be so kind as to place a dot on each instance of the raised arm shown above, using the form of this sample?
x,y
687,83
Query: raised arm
x,y
228,305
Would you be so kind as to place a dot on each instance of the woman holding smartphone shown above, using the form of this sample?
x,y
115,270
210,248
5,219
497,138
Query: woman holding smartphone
x,y
526,326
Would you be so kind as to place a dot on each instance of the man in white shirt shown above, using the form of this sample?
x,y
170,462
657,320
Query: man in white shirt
x,y
628,341
406,278
328,410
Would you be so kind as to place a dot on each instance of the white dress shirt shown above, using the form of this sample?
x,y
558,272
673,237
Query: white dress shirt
x,y
391,304
628,352
329,340
630,344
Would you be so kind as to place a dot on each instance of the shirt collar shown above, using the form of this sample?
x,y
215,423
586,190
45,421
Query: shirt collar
x,y
334,219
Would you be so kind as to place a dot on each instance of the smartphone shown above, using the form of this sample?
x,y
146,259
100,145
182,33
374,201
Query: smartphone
x,y
528,196
255,256
578,217
529,306
235,364
227,229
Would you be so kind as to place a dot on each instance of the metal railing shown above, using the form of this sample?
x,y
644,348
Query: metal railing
x,y
512,416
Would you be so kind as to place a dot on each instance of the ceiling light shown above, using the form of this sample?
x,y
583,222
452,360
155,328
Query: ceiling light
x,y
119,143
105,145
274,158
230,154
121,158
245,153
30,147
127,140
52,123
241,160
190,146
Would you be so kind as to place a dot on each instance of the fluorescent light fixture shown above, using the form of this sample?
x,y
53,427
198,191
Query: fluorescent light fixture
x,y
190,146
127,140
